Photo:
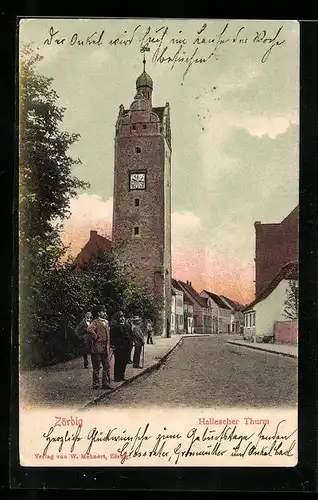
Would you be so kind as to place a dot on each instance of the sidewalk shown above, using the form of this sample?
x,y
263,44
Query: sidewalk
x,y
69,384
282,349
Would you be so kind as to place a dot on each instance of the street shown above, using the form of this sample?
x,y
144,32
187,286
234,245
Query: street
x,y
208,372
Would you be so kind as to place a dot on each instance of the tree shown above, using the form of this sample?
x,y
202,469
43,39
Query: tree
x,y
291,302
46,186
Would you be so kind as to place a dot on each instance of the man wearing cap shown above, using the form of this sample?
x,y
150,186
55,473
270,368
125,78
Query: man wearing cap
x,y
99,329
138,338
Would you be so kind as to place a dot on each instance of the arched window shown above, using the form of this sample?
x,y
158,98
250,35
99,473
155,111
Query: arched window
x,y
138,149
136,231
137,202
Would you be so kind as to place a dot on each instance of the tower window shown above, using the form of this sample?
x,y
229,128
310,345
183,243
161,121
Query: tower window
x,y
144,126
136,231
138,149
134,126
137,202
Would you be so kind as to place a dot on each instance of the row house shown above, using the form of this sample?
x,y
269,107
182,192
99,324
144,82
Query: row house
x,y
265,318
181,310
237,315
199,307
219,314
177,308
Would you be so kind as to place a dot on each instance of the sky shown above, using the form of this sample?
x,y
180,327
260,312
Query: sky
x,y
233,90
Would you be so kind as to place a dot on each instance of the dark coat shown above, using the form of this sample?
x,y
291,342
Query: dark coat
x,y
121,336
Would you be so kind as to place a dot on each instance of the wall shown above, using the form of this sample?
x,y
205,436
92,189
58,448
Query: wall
x,y
148,254
269,310
275,246
286,332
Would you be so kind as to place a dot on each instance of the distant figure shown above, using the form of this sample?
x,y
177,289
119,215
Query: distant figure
x,y
129,323
121,340
99,329
149,330
85,338
138,338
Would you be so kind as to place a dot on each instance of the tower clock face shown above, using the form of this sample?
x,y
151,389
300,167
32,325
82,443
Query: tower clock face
x,y
137,181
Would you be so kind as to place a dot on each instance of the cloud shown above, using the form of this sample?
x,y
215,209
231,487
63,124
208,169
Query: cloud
x,y
98,56
89,212
266,125
184,221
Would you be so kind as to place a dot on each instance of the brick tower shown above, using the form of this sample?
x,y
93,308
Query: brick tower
x,y
142,195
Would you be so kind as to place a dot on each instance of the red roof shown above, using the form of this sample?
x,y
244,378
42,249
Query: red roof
x,y
193,294
217,299
288,272
233,303
95,244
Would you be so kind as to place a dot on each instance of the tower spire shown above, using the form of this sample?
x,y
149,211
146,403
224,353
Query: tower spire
x,y
144,50
144,82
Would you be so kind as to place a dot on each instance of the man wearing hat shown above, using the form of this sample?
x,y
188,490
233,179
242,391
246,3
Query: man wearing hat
x,y
138,338
121,340
99,329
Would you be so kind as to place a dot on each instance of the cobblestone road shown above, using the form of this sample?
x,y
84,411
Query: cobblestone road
x,y
207,371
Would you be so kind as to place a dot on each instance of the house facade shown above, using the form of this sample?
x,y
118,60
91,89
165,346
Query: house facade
x,y
261,316
219,313
188,315
237,316
177,308
199,307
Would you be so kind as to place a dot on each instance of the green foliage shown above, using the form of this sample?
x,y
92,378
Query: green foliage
x,y
291,302
46,180
46,186
54,295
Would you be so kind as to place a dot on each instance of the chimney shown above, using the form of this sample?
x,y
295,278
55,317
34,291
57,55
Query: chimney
x,y
190,283
93,234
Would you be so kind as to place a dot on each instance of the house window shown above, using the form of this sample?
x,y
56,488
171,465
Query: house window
x,y
134,127
137,202
136,231
138,149
172,321
144,126
253,319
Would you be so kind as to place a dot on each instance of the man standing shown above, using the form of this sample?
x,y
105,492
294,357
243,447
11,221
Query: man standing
x,y
121,340
85,337
138,338
99,329
149,330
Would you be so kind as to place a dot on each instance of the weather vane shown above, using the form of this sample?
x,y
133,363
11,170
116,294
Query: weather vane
x,y
143,50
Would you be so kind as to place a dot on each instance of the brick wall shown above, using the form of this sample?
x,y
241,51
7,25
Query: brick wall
x,y
139,149
276,245
286,332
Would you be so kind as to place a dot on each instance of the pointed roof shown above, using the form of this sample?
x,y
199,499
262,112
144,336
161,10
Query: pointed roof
x,y
288,272
95,244
203,302
217,299
233,303
144,80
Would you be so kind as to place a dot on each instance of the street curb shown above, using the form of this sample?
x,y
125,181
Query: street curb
x,y
270,351
150,368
